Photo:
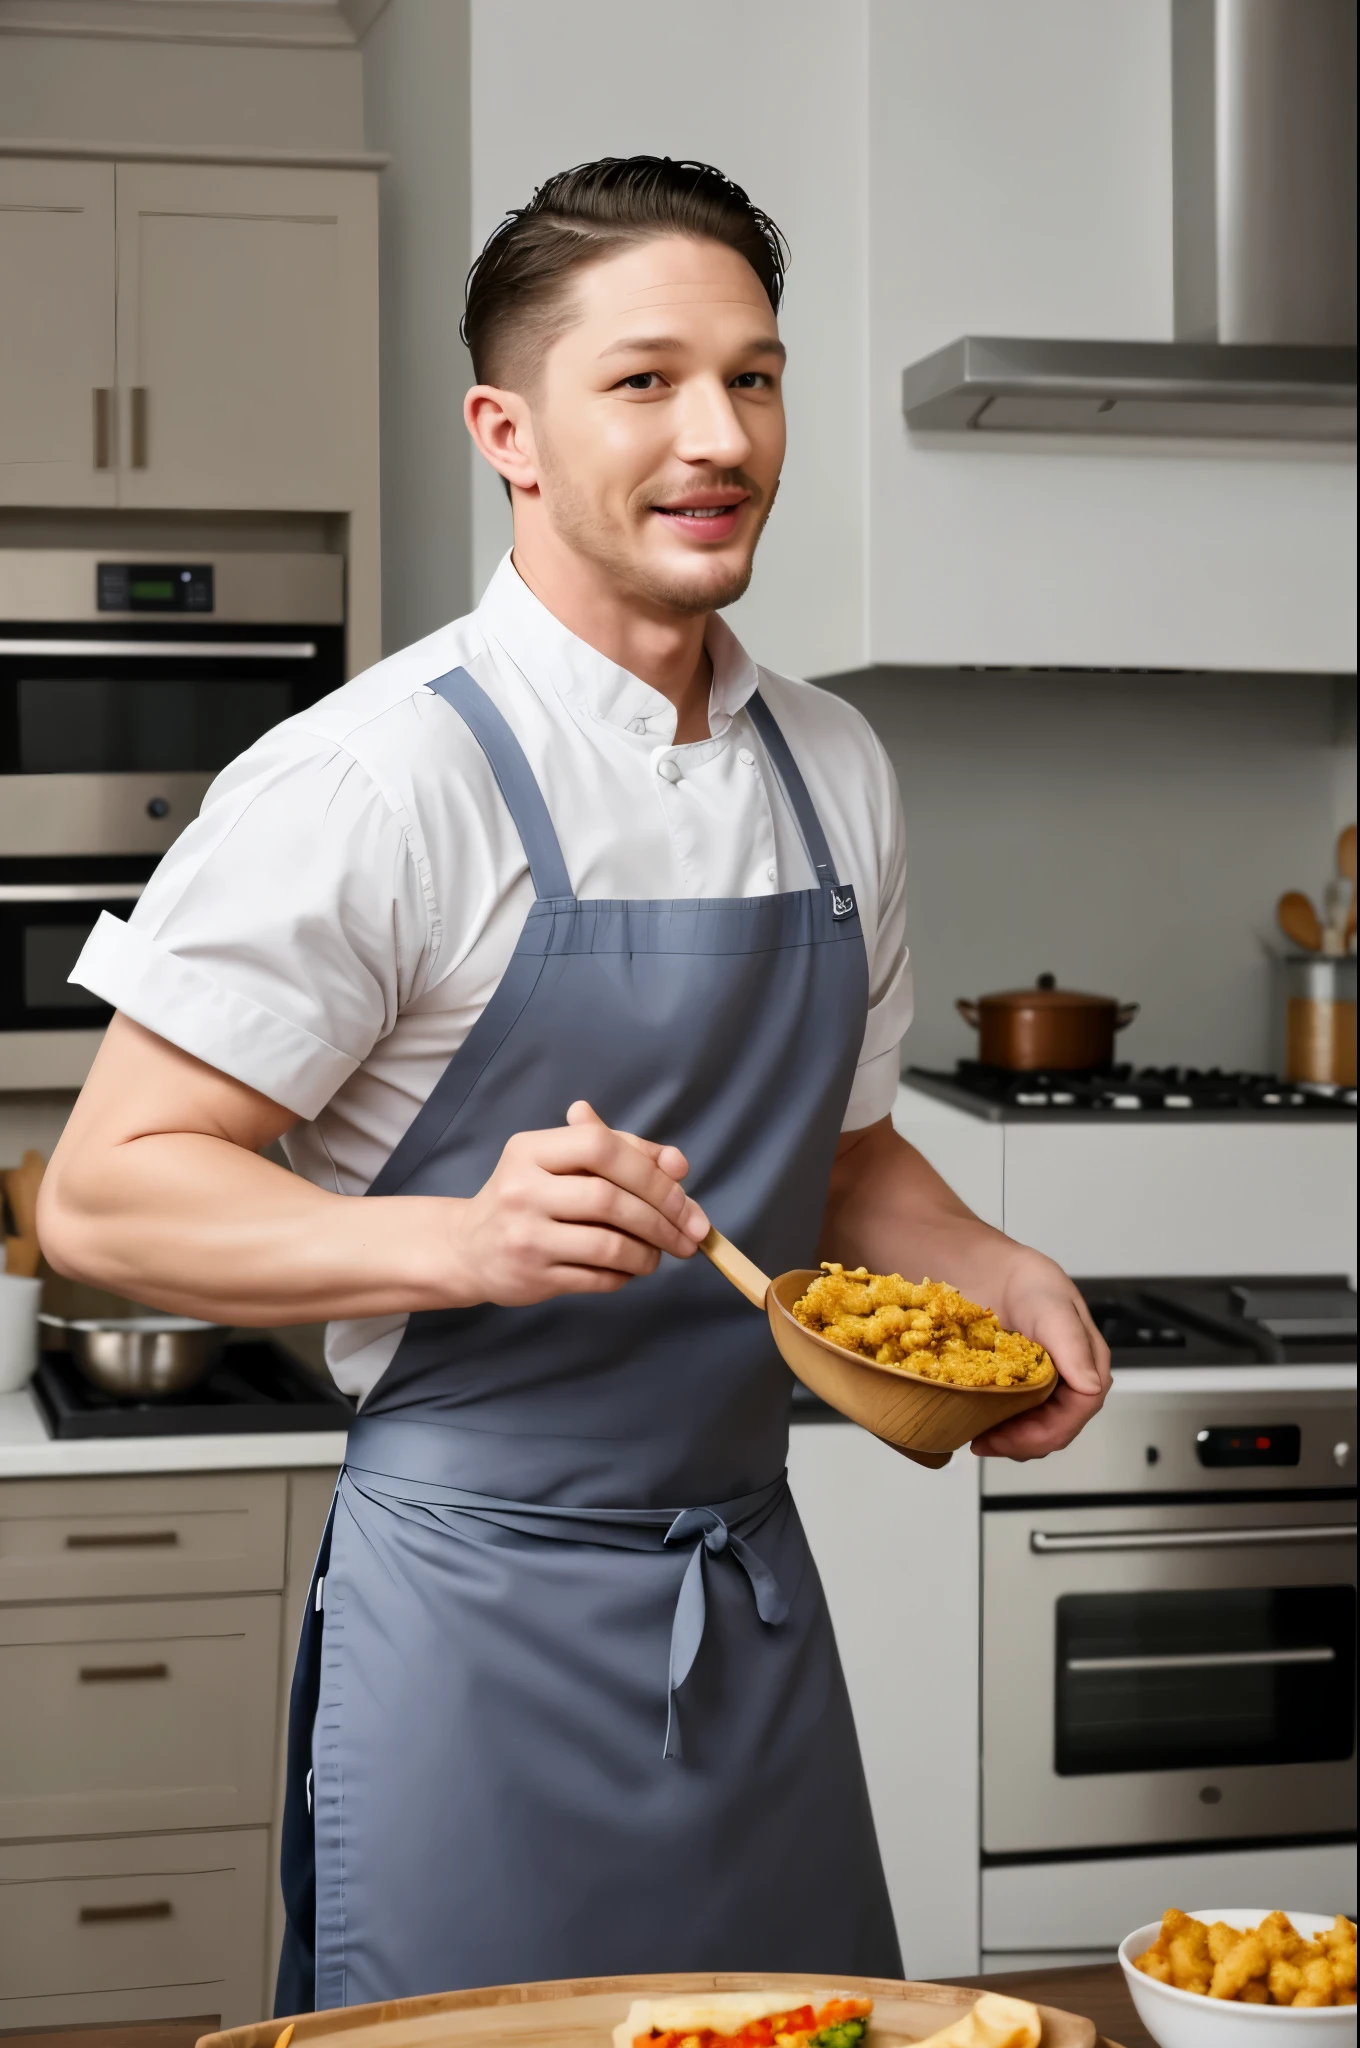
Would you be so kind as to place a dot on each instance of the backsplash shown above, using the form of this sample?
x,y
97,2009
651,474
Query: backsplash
x,y
1128,833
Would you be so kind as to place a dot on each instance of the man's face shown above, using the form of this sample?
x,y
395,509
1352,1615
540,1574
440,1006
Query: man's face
x,y
658,421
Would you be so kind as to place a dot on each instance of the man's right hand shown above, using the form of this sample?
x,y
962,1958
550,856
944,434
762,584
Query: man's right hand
x,y
578,1210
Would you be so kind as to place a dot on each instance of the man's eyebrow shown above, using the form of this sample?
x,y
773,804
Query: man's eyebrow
x,y
669,344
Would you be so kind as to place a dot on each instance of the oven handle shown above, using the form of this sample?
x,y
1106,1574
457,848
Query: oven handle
x,y
1044,1543
198,650
70,892
1208,1660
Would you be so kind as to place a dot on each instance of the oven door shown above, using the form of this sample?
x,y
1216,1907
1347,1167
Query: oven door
x,y
47,911
1167,1674
110,734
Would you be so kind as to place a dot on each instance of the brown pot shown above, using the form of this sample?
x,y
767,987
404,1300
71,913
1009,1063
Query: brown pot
x,y
1046,1028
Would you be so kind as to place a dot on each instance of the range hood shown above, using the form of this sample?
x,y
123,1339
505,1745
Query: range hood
x,y
1264,182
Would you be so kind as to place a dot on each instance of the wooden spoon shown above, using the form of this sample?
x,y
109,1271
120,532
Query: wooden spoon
x,y
1345,867
924,1419
21,1184
1299,921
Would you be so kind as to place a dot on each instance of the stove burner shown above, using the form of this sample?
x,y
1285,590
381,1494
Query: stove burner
x,y
1127,1090
257,1388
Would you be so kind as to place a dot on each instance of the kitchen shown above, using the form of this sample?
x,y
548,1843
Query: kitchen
x,y
1115,678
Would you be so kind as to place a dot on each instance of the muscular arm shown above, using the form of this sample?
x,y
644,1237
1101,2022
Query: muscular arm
x,y
157,1191
889,1210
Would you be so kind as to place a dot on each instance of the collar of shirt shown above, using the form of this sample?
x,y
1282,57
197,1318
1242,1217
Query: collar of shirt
x,y
547,653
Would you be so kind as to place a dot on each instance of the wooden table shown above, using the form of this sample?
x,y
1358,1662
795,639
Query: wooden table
x,y
1098,1992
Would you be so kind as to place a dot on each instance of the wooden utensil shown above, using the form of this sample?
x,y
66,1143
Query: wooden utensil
x,y
1345,867
1299,921
925,1419
582,2012
21,1184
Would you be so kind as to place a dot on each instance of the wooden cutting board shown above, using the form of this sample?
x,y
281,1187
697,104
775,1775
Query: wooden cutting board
x,y
582,2012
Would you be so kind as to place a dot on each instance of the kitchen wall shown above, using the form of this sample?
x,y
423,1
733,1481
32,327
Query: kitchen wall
x,y
1020,183
417,109
1130,834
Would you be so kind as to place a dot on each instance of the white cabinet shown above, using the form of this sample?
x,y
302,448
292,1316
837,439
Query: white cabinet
x,y
247,333
57,364
240,305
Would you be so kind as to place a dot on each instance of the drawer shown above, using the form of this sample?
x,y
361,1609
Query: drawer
x,y
91,1539
141,1714
158,1928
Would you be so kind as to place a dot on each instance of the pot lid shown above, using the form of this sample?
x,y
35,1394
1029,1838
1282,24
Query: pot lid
x,y
1046,995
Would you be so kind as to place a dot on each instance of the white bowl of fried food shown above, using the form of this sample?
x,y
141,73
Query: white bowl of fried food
x,y
1235,1977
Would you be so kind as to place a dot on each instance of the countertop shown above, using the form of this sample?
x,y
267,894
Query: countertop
x,y
28,1452
1096,1990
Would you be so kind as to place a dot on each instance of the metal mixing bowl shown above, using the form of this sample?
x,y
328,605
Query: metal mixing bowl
x,y
138,1358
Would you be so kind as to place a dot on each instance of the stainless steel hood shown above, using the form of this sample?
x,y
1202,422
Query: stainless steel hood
x,y
1264,179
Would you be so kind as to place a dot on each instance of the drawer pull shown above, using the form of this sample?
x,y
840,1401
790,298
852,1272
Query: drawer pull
x,y
149,1909
104,1674
131,1539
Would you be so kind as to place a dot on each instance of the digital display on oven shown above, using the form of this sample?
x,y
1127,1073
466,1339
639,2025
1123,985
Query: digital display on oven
x,y
1275,1443
154,587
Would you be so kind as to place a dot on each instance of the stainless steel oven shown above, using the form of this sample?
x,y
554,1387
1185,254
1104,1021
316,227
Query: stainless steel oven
x,y
126,684
1169,1606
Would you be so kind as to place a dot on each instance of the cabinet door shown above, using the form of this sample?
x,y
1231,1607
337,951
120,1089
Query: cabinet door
x,y
155,1927
56,333
247,322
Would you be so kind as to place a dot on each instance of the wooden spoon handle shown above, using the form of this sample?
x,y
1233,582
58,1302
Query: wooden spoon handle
x,y
745,1276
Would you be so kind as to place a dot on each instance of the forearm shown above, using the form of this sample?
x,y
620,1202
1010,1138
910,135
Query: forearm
x,y
197,1225
888,1209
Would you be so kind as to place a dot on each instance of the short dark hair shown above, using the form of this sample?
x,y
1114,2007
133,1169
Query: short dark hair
x,y
516,295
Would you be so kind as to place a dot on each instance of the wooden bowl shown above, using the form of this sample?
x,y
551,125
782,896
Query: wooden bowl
x,y
581,2012
924,1419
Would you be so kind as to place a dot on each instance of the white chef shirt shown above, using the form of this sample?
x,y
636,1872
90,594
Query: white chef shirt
x,y
333,923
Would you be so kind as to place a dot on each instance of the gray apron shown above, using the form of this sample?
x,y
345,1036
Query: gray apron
x,y
568,1701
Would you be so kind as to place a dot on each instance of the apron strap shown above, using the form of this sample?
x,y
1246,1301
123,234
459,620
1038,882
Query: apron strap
x,y
523,797
804,810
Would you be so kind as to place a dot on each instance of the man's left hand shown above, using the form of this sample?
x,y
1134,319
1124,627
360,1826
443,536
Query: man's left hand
x,y
1038,1298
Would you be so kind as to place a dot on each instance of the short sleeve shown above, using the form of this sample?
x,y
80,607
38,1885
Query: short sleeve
x,y
874,1089
282,932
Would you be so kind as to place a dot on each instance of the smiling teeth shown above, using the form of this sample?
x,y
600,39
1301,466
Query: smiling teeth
x,y
700,511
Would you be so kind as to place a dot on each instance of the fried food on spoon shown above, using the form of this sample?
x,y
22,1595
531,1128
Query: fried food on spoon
x,y
921,1326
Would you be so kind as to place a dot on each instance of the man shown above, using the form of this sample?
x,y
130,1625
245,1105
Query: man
x,y
552,937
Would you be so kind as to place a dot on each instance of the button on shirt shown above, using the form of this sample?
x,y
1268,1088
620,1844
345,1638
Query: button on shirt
x,y
333,923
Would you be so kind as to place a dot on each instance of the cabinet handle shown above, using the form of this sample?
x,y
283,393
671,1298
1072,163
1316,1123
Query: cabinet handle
x,y
128,1539
150,1909
1042,1542
103,427
105,1674
138,396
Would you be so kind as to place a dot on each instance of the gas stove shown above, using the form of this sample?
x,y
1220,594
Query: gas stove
x,y
258,1388
997,1093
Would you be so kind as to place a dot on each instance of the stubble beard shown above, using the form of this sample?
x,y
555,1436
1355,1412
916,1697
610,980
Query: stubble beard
x,y
574,521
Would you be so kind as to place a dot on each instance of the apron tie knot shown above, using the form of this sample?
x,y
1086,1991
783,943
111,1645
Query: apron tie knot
x,y
691,1608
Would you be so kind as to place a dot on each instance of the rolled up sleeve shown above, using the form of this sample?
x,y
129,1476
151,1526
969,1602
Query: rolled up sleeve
x,y
283,931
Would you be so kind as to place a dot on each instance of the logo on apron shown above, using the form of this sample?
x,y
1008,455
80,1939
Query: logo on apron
x,y
842,902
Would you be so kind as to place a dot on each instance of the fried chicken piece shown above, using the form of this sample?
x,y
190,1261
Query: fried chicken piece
x,y
1246,1961
1285,1981
926,1327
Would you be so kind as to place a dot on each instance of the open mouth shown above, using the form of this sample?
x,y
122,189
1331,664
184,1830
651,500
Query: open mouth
x,y
704,522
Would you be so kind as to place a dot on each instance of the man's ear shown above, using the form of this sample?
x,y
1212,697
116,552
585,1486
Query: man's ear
x,y
502,432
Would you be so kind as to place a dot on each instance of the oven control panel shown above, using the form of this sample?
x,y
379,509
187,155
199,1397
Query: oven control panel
x,y
154,586
1232,1446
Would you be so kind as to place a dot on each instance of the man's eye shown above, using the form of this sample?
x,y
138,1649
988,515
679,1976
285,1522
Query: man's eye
x,y
642,380
750,380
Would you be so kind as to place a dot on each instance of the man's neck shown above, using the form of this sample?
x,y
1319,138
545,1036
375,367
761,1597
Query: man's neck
x,y
662,647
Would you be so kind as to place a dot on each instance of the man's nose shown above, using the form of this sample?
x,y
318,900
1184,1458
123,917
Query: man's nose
x,y
710,426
